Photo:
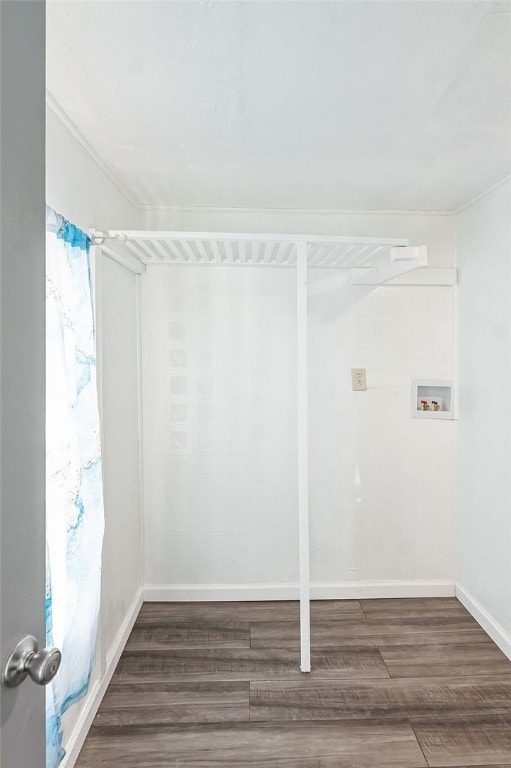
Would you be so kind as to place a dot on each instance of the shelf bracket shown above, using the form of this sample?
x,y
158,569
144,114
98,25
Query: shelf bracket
x,y
403,259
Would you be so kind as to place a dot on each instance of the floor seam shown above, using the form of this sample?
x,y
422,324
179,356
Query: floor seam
x,y
361,604
418,742
385,663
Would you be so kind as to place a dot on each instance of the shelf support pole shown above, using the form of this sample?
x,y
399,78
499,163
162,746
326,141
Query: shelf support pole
x,y
303,456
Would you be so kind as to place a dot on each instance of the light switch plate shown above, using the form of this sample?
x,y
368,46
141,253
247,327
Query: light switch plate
x,y
358,379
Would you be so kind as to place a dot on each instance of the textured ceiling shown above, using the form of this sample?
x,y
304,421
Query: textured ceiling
x,y
318,105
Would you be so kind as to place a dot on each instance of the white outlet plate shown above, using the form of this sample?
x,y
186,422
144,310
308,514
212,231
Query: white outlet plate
x,y
358,379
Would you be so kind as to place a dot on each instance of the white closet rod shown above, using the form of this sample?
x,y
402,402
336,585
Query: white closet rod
x,y
55,220
116,249
123,235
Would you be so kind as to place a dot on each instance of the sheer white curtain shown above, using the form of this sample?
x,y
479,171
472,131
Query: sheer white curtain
x,y
74,486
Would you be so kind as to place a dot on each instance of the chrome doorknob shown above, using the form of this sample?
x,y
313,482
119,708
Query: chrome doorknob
x,y
44,665
27,659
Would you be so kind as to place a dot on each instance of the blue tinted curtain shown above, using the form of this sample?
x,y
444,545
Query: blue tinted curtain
x,y
74,486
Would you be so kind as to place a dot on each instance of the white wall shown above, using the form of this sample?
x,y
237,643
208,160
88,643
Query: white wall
x,y
484,446
220,427
122,576
381,482
78,188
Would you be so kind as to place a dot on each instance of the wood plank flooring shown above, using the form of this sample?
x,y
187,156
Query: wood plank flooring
x,y
395,684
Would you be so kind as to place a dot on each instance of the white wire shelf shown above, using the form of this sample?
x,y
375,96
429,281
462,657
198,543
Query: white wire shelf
x,y
371,260
187,248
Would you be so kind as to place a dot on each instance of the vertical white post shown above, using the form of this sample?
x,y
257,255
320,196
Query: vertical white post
x,y
141,487
303,457
96,263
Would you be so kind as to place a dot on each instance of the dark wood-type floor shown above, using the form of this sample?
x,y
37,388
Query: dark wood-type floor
x,y
395,683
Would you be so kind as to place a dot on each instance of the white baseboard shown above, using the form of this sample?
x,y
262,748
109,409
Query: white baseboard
x,y
349,590
497,632
75,741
